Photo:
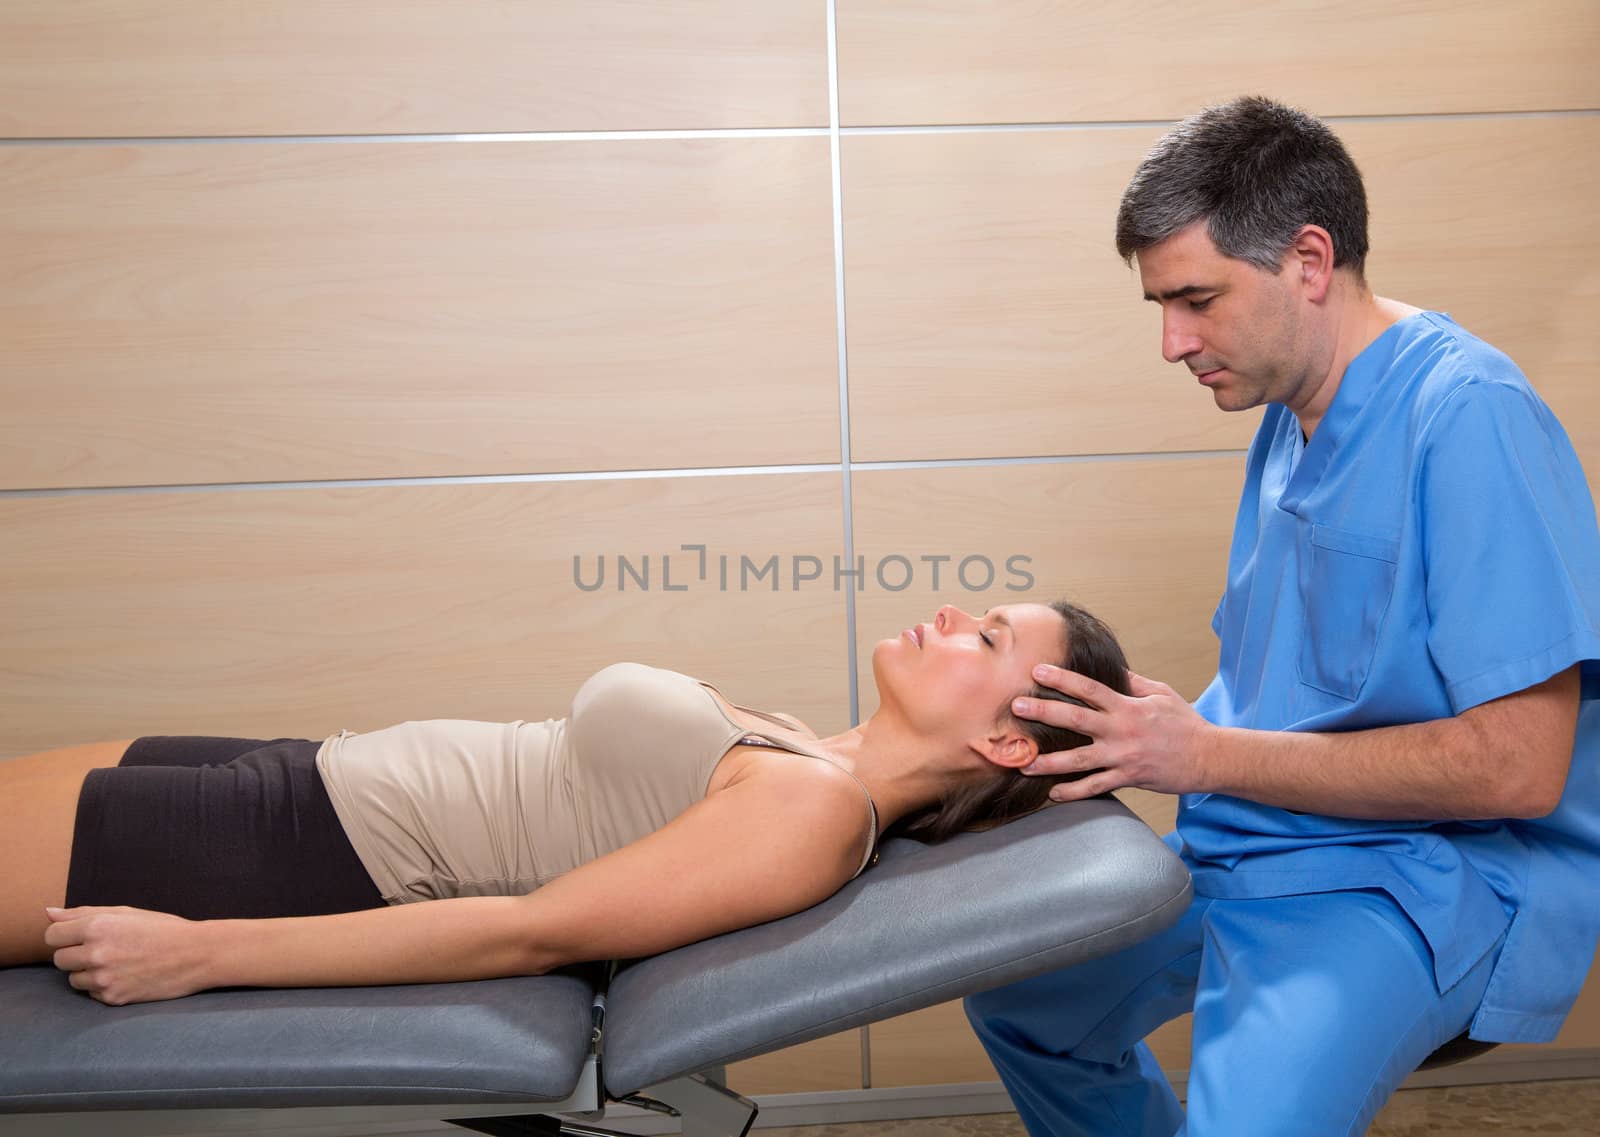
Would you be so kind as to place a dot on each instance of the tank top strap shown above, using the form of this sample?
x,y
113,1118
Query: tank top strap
x,y
868,858
797,746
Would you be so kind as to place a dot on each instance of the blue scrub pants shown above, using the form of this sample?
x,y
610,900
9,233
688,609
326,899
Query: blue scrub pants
x,y
1308,1012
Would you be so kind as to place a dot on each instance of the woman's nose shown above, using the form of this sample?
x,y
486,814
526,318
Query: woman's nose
x,y
949,618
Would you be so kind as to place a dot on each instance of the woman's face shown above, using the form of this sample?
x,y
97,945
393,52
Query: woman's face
x,y
957,672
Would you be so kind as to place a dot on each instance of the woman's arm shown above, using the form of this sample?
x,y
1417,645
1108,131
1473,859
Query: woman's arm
x,y
778,839
132,955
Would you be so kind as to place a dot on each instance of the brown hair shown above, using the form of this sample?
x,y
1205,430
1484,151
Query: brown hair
x,y
1090,649
1256,172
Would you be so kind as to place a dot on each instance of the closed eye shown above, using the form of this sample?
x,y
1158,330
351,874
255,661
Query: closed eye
x,y
1201,305
987,638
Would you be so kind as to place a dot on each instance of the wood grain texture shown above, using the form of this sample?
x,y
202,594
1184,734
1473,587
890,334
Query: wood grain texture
x,y
830,1063
155,68
1011,61
989,317
243,313
988,313
301,612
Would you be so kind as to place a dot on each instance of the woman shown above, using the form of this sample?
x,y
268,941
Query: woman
x,y
656,814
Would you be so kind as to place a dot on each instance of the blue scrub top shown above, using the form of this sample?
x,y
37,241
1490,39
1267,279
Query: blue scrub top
x,y
1433,547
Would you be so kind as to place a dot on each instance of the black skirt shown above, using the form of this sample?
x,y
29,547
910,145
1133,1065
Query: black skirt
x,y
215,828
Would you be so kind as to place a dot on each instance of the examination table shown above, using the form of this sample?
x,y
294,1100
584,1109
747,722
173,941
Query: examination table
x,y
505,1056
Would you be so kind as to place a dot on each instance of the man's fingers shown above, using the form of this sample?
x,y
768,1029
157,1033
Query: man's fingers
x,y
1054,713
1139,686
1084,788
1065,761
1077,685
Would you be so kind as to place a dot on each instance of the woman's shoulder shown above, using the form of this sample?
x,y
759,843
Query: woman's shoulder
x,y
803,783
827,797
777,765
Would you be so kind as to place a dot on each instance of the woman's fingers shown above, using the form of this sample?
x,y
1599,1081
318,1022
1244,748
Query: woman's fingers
x,y
71,959
66,933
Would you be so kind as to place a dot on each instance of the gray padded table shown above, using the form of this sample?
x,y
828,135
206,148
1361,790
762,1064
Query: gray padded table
x,y
926,924
492,1046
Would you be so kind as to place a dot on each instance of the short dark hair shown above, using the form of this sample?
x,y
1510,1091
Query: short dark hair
x,y
1256,172
1090,649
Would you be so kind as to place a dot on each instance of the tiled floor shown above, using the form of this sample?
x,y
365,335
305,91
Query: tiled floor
x,y
1548,1109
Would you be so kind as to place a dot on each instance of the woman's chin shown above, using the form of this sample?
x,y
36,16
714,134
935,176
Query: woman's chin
x,y
884,653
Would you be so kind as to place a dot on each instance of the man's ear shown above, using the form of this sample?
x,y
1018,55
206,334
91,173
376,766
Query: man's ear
x,y
1006,745
1311,257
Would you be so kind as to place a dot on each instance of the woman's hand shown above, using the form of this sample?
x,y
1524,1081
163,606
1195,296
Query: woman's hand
x,y
126,955
1151,739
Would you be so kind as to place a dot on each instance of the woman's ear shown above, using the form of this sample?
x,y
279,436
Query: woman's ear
x,y
1009,746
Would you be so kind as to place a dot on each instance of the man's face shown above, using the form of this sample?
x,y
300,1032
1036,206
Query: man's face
x,y
1236,327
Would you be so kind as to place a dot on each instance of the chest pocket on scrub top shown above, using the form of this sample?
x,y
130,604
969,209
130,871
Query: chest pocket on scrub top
x,y
1349,579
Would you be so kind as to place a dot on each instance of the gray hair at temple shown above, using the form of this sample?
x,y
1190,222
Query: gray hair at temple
x,y
1256,172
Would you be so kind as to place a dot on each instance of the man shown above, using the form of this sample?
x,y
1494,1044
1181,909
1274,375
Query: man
x,y
1391,790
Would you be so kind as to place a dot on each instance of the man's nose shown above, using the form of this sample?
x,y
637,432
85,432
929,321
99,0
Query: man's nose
x,y
1178,341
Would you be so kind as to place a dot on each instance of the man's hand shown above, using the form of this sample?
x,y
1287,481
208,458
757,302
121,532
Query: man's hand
x,y
1150,739
126,955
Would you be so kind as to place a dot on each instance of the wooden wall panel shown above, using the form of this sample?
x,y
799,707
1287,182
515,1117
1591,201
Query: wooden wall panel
x,y
299,612
144,68
1493,221
988,312
259,312
1013,61
989,316
831,1063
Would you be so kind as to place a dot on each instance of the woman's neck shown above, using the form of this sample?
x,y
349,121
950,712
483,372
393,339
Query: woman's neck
x,y
902,770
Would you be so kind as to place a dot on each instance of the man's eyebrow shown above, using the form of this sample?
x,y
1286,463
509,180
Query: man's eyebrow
x,y
1178,293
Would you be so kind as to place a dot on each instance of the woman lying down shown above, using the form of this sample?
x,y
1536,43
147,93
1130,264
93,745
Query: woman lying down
x,y
655,814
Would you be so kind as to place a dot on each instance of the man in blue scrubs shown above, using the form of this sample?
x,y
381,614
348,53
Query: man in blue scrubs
x,y
1390,793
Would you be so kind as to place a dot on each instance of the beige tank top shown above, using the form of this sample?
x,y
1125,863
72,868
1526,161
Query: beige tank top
x,y
452,807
